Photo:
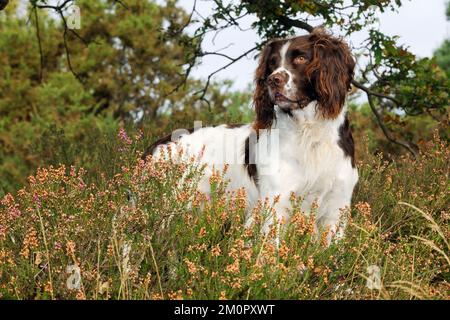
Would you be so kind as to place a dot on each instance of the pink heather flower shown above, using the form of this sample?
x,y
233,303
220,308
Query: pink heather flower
x,y
8,200
81,184
139,135
123,136
57,245
36,199
14,213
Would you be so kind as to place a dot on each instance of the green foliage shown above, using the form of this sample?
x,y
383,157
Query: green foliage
x,y
417,84
271,12
442,55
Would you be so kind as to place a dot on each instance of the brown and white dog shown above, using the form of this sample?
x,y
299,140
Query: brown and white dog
x,y
300,141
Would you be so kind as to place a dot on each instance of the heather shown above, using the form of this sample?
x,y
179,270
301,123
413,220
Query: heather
x,y
146,233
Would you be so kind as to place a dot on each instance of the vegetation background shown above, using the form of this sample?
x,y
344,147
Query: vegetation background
x,y
82,217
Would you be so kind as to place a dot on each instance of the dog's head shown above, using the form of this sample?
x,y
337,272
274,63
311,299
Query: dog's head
x,y
293,72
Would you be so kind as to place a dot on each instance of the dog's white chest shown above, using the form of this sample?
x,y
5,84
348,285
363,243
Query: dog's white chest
x,y
312,162
308,160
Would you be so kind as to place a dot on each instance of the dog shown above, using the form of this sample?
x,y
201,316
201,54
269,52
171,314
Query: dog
x,y
300,141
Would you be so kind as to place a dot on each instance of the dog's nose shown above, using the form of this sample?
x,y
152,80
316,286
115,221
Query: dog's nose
x,y
278,79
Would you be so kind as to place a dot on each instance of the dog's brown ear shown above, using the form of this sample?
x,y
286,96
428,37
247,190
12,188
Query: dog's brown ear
x,y
331,71
264,108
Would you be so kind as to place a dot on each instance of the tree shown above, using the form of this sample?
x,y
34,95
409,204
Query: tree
x,y
442,54
393,80
125,61
129,38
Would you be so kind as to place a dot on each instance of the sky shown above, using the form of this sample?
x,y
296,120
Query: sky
x,y
421,25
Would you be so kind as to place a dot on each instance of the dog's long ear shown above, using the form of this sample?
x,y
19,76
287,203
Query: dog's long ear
x,y
264,108
331,71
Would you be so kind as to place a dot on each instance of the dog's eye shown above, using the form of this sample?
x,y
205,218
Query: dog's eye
x,y
300,60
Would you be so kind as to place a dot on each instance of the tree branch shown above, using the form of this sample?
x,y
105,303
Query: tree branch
x,y
56,8
121,3
189,18
208,80
59,9
373,93
69,63
3,4
386,131
296,23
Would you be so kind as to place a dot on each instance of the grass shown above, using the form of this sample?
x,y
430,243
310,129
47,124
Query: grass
x,y
137,232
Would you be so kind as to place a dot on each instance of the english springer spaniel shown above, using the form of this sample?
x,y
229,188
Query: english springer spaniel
x,y
300,141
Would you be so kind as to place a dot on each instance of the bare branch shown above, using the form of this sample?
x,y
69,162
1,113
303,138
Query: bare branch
x,y
69,63
386,131
435,118
3,4
190,17
373,93
56,8
121,3
185,77
208,80
296,23
203,54
59,9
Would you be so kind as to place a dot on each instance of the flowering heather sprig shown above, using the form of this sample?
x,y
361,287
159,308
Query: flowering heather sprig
x,y
123,136
29,243
192,268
